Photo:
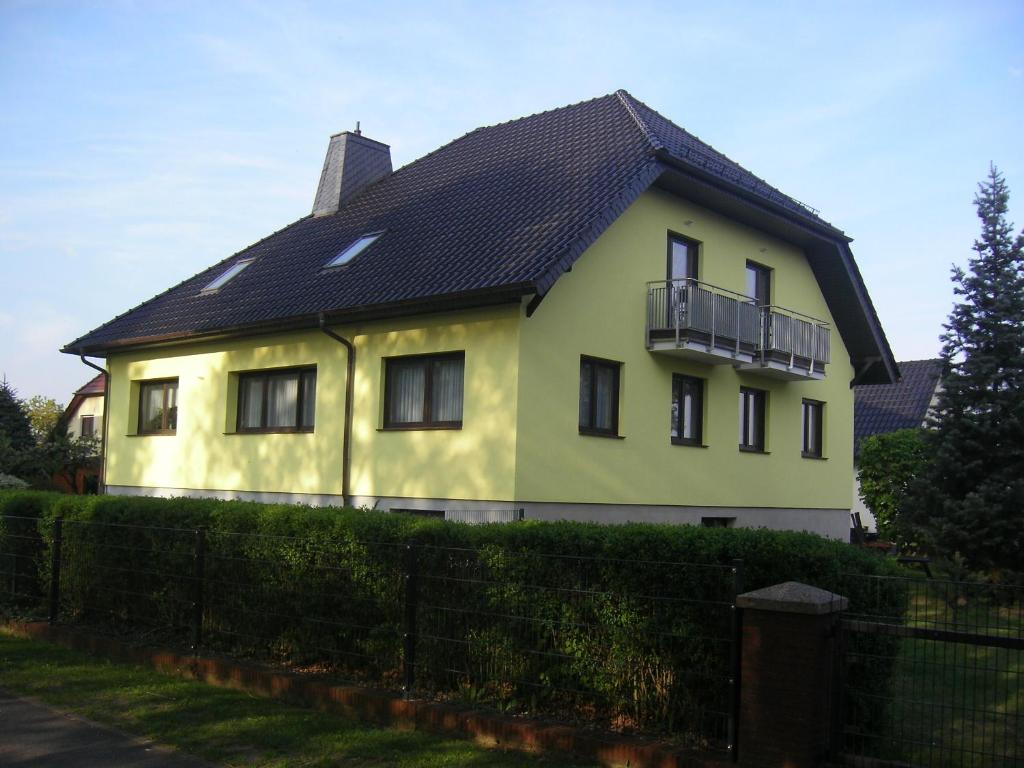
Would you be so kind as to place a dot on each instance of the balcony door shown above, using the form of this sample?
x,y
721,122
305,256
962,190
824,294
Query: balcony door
x,y
682,265
759,282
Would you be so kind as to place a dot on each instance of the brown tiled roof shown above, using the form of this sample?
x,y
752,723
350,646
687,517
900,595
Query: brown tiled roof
x,y
94,386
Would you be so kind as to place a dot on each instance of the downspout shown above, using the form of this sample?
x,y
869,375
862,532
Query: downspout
x,y
346,451
106,416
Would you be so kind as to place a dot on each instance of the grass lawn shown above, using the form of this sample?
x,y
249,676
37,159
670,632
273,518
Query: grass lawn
x,y
955,704
221,725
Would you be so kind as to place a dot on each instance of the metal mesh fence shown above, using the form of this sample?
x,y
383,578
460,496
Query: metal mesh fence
x,y
948,660
629,646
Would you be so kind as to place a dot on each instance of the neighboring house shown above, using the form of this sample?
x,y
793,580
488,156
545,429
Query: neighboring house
x,y
879,409
586,313
84,417
84,414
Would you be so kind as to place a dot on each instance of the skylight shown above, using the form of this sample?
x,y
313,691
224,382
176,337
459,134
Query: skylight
x,y
225,276
353,250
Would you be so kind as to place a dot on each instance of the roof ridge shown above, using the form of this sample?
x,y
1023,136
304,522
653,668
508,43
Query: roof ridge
x,y
717,155
625,98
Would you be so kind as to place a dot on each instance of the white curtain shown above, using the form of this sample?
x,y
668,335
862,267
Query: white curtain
x,y
282,400
172,406
250,414
586,372
604,393
407,379
308,399
446,397
153,407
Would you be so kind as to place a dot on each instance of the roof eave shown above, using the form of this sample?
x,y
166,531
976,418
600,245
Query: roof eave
x,y
428,305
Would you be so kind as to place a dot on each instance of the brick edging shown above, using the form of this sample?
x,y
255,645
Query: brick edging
x,y
381,707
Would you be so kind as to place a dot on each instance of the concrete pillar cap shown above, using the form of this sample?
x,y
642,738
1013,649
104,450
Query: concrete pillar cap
x,y
793,597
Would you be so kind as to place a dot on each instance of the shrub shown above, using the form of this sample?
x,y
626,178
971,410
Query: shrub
x,y
629,626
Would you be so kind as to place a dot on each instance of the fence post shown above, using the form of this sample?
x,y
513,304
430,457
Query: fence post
x,y
734,662
198,577
55,565
837,737
412,568
788,650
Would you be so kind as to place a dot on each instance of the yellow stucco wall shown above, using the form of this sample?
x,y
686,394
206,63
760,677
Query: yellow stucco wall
x,y
475,462
599,308
203,453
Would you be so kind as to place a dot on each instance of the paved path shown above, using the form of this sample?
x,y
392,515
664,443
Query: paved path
x,y
34,736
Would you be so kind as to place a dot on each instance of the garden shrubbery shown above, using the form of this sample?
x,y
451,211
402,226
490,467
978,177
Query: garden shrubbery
x,y
629,626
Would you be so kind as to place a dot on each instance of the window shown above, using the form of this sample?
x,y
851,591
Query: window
x,y
424,391
277,401
88,426
231,271
437,514
752,410
813,411
718,522
158,407
352,250
687,409
599,397
759,281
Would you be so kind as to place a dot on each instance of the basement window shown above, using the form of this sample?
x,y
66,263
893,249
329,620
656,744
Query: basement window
x,y
353,250
227,275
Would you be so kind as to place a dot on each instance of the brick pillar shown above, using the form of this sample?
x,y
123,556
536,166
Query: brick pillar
x,y
786,677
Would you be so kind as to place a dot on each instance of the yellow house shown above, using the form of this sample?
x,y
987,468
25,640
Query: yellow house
x,y
582,314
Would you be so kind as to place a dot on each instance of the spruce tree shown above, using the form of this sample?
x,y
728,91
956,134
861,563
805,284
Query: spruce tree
x,y
974,494
16,440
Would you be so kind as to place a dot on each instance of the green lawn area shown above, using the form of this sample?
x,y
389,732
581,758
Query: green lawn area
x,y
957,704
225,726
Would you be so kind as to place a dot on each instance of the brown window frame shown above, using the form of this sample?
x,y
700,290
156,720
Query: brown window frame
x,y
760,399
616,366
91,421
164,428
266,375
680,380
819,432
428,391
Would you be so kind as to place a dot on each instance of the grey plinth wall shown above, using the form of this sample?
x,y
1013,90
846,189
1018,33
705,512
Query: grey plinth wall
x,y
787,674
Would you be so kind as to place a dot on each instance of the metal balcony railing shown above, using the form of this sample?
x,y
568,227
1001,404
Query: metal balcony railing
x,y
794,334
685,310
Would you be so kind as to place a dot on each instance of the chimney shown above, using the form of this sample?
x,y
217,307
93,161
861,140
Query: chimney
x,y
353,163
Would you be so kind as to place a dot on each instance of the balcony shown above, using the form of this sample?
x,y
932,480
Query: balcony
x,y
715,326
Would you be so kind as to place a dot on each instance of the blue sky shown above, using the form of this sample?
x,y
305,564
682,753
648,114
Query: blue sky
x,y
142,141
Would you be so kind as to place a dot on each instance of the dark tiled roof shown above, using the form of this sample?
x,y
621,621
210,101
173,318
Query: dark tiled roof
x,y
502,211
880,408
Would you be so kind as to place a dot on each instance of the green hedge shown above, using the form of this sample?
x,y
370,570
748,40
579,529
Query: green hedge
x,y
554,618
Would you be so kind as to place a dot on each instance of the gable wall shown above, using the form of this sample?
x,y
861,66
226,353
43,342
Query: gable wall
x,y
598,309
